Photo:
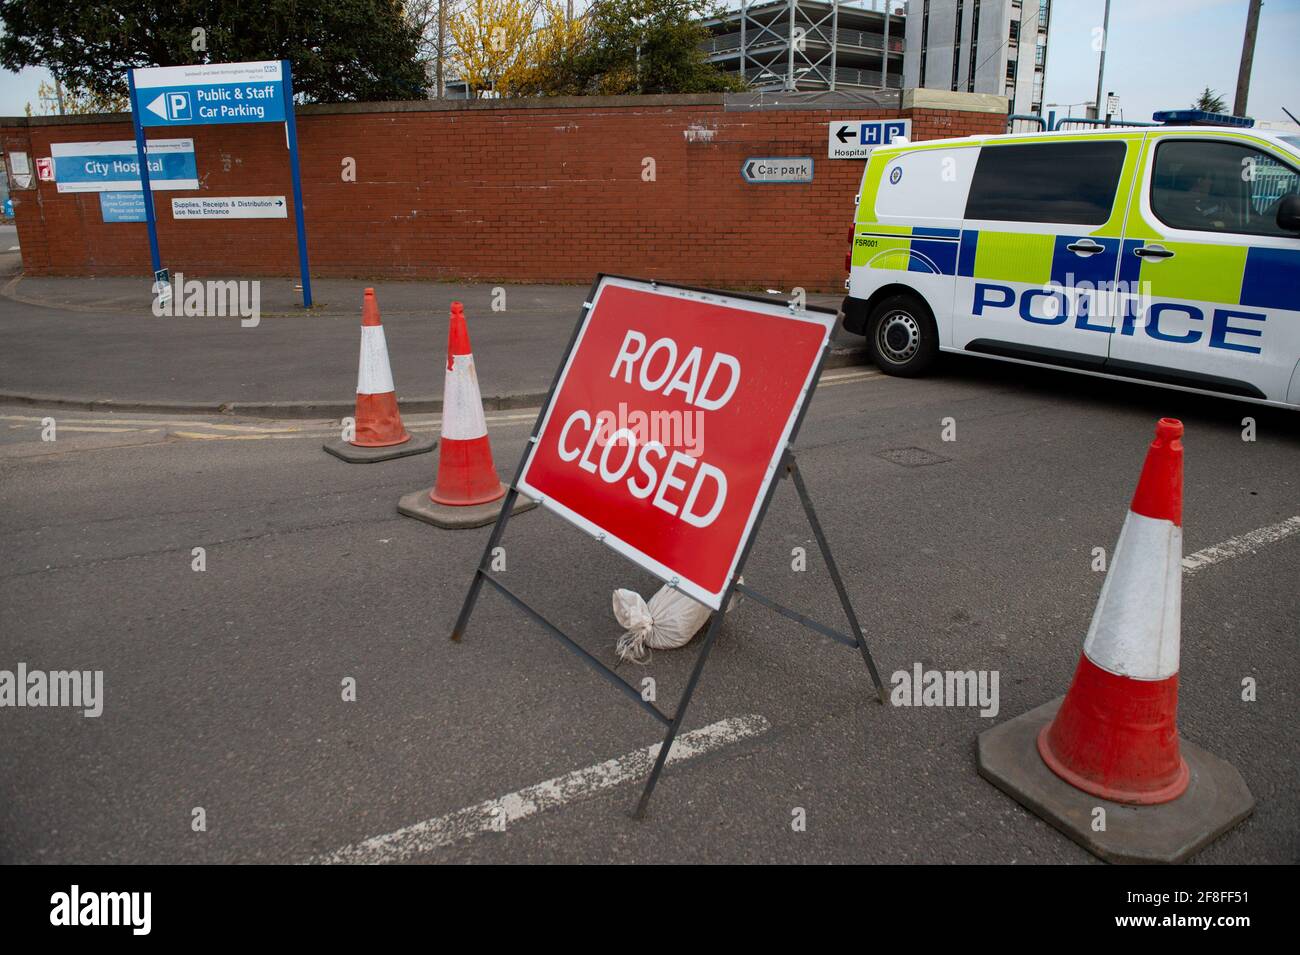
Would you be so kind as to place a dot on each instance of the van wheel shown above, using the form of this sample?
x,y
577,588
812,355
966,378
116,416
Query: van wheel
x,y
901,336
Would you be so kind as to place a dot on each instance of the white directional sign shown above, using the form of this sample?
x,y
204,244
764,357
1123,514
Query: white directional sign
x,y
855,138
230,207
777,169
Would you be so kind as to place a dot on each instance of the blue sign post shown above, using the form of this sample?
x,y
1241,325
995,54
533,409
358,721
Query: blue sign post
x,y
217,93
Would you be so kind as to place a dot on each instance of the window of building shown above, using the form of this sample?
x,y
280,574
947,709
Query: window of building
x,y
1070,182
974,45
956,48
925,37
1219,187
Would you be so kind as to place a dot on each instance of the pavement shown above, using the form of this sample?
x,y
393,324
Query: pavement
x,y
95,344
223,688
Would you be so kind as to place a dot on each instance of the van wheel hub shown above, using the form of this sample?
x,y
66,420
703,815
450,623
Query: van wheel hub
x,y
898,336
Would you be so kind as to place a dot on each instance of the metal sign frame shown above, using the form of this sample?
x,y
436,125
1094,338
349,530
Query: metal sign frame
x,y
291,134
788,468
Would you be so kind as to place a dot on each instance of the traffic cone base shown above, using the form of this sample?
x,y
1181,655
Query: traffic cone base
x,y
1215,800
422,506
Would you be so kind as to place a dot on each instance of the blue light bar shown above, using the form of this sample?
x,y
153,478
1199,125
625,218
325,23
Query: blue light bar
x,y
1199,117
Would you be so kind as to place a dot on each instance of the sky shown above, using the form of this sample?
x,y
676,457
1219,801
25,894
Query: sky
x,y
1160,55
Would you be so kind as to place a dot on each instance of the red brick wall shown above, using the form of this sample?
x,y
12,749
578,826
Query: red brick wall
x,y
502,193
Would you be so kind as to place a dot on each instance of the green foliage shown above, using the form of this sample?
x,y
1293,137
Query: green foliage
x,y
643,46
1211,102
339,49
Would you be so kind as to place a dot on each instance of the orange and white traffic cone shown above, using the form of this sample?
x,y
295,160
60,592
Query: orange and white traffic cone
x,y
1114,739
378,433
1116,734
466,473
467,491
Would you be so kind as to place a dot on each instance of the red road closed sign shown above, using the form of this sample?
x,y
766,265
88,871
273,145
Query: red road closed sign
x,y
668,422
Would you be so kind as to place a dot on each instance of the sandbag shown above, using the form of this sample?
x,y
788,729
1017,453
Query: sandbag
x,y
667,622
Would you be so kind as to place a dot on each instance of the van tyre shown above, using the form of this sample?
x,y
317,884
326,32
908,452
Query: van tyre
x,y
902,337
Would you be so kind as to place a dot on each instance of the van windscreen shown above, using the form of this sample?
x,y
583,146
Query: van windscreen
x,y
1068,182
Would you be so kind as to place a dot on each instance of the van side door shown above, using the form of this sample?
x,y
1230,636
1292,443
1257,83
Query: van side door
x,y
1040,246
1215,279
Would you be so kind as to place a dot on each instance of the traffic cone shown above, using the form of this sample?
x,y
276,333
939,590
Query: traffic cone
x,y
467,491
378,431
1116,734
1113,740
466,474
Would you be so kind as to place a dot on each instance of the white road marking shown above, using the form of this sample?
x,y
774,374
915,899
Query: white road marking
x,y
830,381
1241,545
495,814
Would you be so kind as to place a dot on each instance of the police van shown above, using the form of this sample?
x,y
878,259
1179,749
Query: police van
x,y
1168,255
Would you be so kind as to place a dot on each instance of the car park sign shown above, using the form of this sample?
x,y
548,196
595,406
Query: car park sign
x,y
668,421
209,93
855,138
777,169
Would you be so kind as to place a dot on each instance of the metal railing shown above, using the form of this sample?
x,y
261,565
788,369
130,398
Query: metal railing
x,y
844,76
858,39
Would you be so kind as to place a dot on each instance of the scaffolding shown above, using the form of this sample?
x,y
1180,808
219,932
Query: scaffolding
x,y
810,44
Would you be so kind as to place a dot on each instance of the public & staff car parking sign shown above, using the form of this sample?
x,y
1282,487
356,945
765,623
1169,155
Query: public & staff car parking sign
x,y
668,423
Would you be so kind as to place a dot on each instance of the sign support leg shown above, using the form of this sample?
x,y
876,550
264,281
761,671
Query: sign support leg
x,y
715,624
494,539
291,131
825,547
145,191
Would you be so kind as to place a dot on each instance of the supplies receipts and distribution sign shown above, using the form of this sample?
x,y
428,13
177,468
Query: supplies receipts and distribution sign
x,y
668,424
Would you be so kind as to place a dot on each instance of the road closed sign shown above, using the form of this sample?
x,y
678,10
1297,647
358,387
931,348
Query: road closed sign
x,y
668,423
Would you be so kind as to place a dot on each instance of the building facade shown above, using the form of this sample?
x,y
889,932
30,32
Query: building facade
x,y
810,45
979,46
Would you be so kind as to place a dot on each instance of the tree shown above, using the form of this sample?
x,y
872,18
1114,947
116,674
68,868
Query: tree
x,y
339,49
494,43
1210,102
649,46
53,99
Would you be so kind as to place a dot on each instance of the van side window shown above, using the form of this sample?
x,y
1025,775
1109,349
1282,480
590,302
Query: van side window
x,y
1068,182
1219,187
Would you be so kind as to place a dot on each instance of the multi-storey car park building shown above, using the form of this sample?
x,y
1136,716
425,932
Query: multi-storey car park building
x,y
979,46
810,45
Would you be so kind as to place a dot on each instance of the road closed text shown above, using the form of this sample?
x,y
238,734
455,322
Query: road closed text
x,y
673,480
668,421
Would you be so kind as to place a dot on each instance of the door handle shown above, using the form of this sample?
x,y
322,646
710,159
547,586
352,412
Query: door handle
x,y
1085,248
1153,252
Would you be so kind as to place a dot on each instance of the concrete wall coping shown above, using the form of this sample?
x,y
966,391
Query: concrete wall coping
x,y
732,102
963,102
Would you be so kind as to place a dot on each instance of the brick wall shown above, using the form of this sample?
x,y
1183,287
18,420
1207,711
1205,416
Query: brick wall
x,y
542,191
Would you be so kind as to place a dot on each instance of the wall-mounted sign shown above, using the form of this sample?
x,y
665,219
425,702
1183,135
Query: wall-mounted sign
x,y
113,166
230,207
777,169
122,206
855,138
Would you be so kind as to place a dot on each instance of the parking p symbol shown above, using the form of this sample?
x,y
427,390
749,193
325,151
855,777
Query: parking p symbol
x,y
178,106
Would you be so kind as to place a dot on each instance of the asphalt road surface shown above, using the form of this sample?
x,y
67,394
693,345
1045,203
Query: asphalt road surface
x,y
223,688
